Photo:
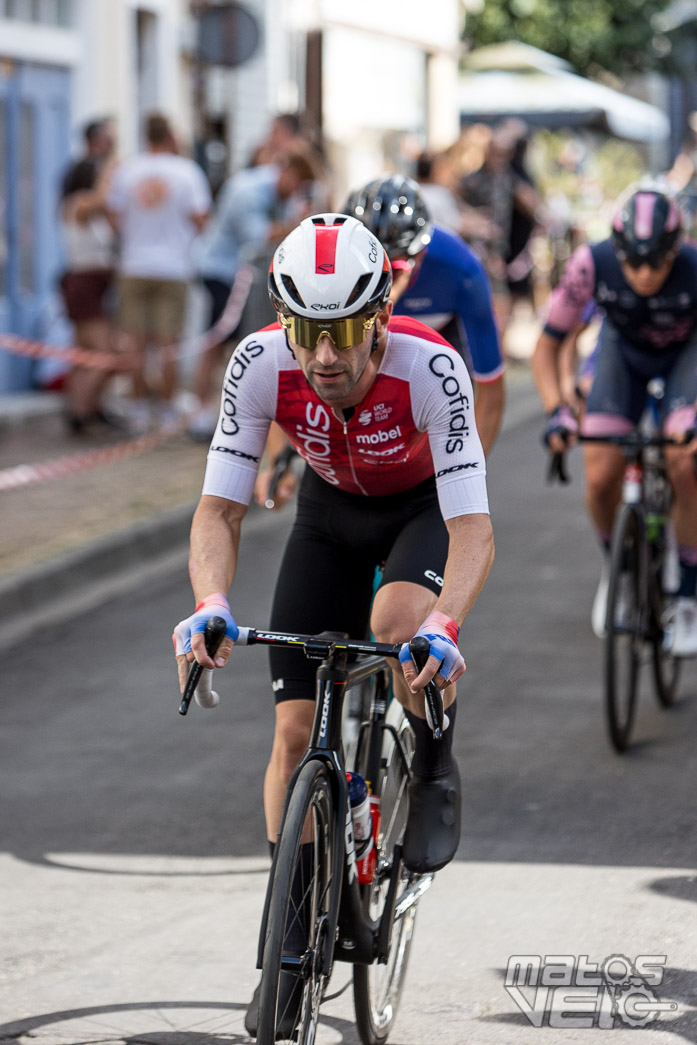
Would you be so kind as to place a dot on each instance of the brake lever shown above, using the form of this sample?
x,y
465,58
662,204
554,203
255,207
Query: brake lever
x,y
215,630
419,648
281,465
557,469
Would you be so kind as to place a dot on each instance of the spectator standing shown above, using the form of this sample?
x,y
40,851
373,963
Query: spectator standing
x,y
496,189
159,201
682,178
255,209
435,174
89,251
99,143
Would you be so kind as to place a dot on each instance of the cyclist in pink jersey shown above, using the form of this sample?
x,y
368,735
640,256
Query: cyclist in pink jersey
x,y
645,281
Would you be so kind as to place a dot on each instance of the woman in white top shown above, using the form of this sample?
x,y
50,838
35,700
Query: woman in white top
x,y
89,242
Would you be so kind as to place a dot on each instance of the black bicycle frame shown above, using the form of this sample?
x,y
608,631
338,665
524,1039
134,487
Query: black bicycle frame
x,y
360,939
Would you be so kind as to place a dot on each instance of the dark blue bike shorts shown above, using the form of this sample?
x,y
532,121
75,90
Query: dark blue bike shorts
x,y
326,578
622,373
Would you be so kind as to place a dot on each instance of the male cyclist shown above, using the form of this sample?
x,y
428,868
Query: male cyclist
x,y
439,280
645,280
381,412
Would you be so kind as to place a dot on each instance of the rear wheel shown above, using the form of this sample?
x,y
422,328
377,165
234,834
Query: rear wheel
x,y
377,987
292,979
624,641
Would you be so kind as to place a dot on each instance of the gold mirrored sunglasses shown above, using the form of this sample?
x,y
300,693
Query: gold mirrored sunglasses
x,y
345,333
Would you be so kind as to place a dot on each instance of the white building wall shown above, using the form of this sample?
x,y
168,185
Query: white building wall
x,y
106,78
265,84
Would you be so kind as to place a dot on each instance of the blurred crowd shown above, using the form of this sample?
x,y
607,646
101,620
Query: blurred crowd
x,y
139,234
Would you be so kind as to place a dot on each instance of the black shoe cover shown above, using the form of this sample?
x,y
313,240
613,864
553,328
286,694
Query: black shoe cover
x,y
289,998
433,827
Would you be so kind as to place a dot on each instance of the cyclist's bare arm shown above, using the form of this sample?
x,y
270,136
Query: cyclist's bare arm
x,y
488,411
214,545
546,370
275,443
470,558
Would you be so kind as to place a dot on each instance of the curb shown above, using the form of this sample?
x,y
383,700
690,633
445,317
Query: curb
x,y
46,587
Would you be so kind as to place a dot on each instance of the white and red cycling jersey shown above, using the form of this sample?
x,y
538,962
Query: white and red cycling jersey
x,y
416,420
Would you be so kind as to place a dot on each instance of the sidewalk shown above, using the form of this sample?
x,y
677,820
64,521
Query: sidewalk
x,y
64,533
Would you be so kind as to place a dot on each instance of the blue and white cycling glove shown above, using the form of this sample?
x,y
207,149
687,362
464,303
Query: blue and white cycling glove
x,y
215,605
442,633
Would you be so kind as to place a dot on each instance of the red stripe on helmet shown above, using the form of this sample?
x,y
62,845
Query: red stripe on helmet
x,y
325,248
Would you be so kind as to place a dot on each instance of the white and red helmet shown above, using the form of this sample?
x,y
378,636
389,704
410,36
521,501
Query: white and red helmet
x,y
329,267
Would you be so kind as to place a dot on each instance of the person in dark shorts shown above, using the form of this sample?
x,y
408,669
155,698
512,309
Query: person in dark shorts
x,y
645,280
86,282
381,410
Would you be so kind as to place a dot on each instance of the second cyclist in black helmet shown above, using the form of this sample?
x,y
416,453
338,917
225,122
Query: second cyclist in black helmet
x,y
440,281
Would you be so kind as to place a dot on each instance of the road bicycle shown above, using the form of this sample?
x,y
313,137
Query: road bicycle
x,y
314,895
643,572
639,608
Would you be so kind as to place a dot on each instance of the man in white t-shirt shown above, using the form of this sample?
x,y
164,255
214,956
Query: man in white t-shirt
x,y
159,202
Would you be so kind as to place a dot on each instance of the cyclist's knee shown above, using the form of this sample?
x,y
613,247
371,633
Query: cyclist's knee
x,y
293,726
398,610
602,482
681,471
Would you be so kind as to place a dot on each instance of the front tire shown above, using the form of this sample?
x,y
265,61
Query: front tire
x,y
624,640
377,987
303,880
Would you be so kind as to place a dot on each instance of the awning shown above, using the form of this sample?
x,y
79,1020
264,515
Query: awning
x,y
537,88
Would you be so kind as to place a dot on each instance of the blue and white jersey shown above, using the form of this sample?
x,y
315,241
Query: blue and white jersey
x,y
451,294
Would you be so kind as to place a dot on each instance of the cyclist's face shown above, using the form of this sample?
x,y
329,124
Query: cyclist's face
x,y
646,280
341,378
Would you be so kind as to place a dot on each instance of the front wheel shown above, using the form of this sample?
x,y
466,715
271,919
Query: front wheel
x,y
377,987
624,641
666,667
292,980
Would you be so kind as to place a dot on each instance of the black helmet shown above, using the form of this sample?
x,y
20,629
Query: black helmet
x,y
646,226
394,210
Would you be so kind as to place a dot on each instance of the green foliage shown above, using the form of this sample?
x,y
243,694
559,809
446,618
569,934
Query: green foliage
x,y
587,170
616,35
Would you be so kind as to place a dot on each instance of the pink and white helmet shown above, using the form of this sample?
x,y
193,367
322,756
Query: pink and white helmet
x,y
329,267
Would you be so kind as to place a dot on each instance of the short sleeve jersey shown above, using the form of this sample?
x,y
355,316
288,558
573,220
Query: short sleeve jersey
x,y
155,196
416,421
452,284
650,324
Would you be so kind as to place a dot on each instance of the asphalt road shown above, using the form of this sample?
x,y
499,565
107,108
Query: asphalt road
x,y
133,862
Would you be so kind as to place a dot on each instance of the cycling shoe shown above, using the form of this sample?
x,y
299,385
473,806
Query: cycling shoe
x,y
289,999
433,826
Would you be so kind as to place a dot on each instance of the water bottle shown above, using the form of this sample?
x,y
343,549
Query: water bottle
x,y
365,811
631,485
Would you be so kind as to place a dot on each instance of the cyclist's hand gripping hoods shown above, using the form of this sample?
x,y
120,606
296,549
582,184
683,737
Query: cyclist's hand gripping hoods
x,y
215,605
560,422
444,656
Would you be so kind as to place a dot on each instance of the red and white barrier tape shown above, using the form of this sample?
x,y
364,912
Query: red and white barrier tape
x,y
22,475
230,318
